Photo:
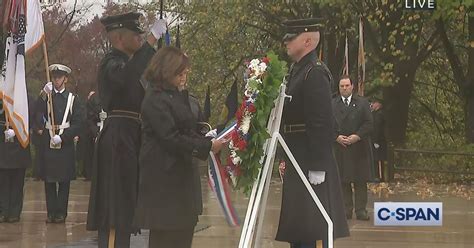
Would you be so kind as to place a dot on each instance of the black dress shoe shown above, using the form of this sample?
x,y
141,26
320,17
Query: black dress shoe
x,y
60,219
363,216
13,219
50,219
2,219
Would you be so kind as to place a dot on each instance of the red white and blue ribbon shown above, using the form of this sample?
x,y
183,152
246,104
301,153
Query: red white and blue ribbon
x,y
218,181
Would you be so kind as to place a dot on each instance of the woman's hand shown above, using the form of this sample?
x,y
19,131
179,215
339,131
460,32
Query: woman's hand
x,y
217,144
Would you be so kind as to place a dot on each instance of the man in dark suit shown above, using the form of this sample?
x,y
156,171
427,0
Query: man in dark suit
x,y
57,165
353,147
308,127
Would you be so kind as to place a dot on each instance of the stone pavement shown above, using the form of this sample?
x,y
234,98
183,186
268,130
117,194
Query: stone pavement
x,y
212,231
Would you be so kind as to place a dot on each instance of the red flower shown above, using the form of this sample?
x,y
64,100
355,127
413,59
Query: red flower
x,y
241,144
266,60
238,114
251,108
235,136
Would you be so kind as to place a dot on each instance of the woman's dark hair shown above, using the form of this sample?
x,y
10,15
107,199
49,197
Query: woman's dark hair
x,y
166,64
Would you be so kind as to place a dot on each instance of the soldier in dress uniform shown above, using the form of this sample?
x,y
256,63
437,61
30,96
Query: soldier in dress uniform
x,y
308,130
115,171
94,122
14,159
57,154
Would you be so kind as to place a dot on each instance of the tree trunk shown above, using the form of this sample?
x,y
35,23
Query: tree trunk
x,y
397,101
470,82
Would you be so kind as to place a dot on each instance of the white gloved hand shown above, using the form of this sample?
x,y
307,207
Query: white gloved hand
x,y
56,140
48,87
9,133
316,177
158,28
212,133
102,115
376,146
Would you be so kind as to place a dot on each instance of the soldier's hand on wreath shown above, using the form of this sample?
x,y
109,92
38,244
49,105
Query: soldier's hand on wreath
x,y
9,133
212,133
56,139
217,144
353,138
48,87
342,140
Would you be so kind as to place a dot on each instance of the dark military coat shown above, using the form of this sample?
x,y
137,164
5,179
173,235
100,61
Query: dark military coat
x,y
115,171
167,189
12,154
355,161
300,220
59,165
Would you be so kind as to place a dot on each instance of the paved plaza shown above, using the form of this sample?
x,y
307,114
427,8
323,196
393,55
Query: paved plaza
x,y
212,231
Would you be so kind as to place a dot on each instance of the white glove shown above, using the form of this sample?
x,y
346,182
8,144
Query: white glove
x,y
102,115
158,28
376,146
9,133
56,140
212,133
48,87
316,177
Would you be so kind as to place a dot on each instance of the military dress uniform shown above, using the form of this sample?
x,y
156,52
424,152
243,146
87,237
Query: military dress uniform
x,y
14,159
57,164
307,129
115,170
91,130
355,161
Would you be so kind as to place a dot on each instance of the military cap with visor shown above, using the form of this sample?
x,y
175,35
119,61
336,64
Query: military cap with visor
x,y
128,20
293,28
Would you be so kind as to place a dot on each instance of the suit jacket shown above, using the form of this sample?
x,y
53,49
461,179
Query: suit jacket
x,y
355,161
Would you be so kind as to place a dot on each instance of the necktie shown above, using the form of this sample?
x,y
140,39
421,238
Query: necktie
x,y
346,101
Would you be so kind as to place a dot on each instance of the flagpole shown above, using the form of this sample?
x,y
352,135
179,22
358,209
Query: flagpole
x,y
48,78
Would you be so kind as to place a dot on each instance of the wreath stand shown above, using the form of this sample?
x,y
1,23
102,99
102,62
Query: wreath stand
x,y
259,195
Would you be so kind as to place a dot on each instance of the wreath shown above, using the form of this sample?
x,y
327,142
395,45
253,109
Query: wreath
x,y
263,78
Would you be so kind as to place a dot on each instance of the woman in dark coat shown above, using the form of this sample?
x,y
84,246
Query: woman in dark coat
x,y
166,193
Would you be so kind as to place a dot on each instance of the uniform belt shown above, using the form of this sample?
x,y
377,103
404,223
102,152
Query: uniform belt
x,y
124,114
58,127
294,128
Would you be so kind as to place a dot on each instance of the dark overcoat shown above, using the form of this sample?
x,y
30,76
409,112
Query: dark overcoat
x,y
167,189
115,168
355,161
310,109
12,154
59,165
378,136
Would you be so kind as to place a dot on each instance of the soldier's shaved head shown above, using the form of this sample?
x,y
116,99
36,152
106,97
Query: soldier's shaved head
x,y
125,40
301,45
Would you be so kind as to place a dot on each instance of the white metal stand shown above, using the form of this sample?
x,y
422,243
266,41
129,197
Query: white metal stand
x,y
259,195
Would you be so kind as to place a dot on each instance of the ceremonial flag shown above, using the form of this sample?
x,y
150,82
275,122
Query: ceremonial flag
x,y
345,68
12,79
207,105
219,180
361,60
35,29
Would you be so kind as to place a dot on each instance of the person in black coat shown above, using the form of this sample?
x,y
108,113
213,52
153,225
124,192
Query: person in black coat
x,y
91,130
307,128
115,168
352,147
379,141
14,159
167,203
57,164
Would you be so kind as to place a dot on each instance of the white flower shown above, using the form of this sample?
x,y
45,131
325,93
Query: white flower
x,y
254,63
263,67
236,160
245,125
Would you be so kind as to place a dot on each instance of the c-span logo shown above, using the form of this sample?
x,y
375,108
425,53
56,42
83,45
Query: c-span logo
x,y
408,213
